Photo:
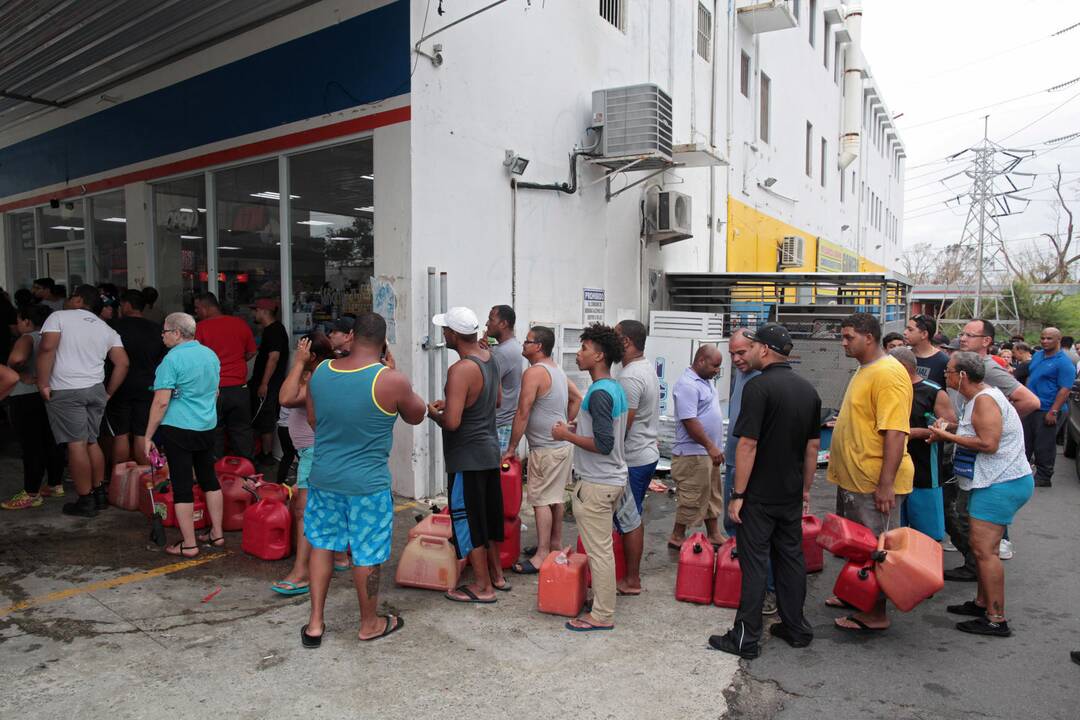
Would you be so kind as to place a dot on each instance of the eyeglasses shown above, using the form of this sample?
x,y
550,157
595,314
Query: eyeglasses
x,y
531,342
168,330
950,371
973,335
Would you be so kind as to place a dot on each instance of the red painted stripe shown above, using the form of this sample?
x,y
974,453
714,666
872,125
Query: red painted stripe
x,y
228,155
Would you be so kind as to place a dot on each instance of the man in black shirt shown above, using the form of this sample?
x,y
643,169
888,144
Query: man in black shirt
x,y
778,429
267,374
919,334
128,411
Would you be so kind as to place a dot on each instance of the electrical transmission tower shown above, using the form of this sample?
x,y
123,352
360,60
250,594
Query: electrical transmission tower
x,y
992,171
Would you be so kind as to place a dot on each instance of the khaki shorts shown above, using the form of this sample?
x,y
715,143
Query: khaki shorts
x,y
699,489
549,474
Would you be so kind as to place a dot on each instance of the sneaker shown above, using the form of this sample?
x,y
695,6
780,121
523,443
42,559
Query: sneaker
x,y
769,606
985,626
781,631
727,643
22,500
961,574
56,491
967,608
82,507
1005,550
947,546
101,498
1040,482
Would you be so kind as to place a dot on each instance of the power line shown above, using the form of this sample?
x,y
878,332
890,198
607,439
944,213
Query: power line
x,y
1043,117
1006,51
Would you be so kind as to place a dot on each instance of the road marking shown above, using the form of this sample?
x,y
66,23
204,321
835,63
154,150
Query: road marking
x,y
404,506
107,584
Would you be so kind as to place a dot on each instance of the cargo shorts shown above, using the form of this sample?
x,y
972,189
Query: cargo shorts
x,y
75,415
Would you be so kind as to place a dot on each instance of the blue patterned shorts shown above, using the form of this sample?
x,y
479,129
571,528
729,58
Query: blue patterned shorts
x,y
362,523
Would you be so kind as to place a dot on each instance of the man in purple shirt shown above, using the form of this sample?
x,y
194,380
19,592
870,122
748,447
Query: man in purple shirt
x,y
697,455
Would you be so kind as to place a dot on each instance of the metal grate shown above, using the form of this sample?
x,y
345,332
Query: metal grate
x,y
704,31
614,11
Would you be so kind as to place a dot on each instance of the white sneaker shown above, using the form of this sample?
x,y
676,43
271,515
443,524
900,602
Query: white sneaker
x,y
1005,549
947,546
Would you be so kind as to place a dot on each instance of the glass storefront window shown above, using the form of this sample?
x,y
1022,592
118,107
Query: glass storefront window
x,y
180,236
64,224
333,242
110,239
22,263
249,236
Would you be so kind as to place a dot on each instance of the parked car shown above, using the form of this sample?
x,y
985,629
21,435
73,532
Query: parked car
x,y
1072,427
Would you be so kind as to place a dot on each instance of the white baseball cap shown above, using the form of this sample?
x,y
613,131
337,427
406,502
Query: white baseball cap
x,y
461,320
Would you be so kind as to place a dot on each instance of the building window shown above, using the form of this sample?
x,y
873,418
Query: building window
x,y
744,74
22,265
614,11
842,185
110,239
811,17
333,233
704,31
824,164
764,89
838,62
825,46
180,242
809,150
796,8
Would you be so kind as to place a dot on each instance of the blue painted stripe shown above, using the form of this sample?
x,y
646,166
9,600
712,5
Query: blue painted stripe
x,y
460,517
358,61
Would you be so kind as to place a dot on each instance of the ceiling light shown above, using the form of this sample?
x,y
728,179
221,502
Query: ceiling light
x,y
228,247
369,209
190,210
367,177
271,195
338,237
65,227
191,237
314,222
115,219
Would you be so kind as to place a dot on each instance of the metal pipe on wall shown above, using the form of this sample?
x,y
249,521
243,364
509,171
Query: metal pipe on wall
x,y
430,345
443,307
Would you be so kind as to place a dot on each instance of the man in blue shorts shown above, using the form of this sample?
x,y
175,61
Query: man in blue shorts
x,y
353,403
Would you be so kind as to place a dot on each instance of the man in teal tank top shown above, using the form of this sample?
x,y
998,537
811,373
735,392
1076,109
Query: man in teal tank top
x,y
352,404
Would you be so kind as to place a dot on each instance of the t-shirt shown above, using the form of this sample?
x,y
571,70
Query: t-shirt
x,y
1021,372
642,387
85,341
926,457
877,399
695,397
191,371
733,407
142,342
231,339
274,338
511,366
603,418
1048,374
933,367
782,411
997,376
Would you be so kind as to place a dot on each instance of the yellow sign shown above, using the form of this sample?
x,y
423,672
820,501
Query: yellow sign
x,y
830,256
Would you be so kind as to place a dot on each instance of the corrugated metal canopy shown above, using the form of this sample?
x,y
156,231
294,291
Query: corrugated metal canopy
x,y
57,52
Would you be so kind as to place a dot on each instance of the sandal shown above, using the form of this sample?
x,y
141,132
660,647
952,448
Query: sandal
x,y
207,539
861,627
470,596
388,630
180,549
285,587
310,641
505,587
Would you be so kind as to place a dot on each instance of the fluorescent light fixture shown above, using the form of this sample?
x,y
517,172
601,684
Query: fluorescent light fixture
x,y
271,195
367,177
115,219
191,237
369,209
65,227
338,237
228,247
190,210
314,222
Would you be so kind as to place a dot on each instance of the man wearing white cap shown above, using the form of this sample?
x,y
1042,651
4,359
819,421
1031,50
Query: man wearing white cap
x,y
471,451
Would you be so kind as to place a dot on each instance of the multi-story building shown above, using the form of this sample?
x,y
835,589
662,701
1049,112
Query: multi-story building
x,y
331,152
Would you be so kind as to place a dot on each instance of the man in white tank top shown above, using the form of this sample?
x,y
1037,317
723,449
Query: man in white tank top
x,y
546,398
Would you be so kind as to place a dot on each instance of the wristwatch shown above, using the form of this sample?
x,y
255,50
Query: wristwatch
x,y
735,495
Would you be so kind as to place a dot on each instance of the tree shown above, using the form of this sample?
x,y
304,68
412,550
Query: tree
x,y
1048,264
918,263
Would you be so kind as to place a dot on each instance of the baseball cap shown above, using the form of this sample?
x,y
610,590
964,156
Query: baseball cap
x,y
773,335
461,320
264,304
343,324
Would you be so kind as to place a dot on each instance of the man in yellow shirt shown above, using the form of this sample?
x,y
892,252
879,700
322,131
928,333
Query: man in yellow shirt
x,y
868,460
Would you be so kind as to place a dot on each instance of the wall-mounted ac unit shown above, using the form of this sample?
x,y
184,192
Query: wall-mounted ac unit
x,y
761,16
669,217
634,120
695,325
791,251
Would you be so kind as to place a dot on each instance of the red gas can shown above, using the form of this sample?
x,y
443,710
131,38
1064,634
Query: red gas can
x,y
510,476
236,501
232,465
728,586
846,539
620,557
812,551
126,486
164,504
561,586
909,567
267,530
434,525
697,566
857,585
429,563
510,547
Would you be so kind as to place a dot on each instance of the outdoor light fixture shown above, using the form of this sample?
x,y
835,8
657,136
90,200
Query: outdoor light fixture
x,y
844,227
515,163
768,182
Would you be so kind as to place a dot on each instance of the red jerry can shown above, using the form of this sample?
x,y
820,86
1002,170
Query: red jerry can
x,y
434,525
267,530
857,585
164,505
126,487
235,500
908,565
697,567
561,586
812,551
510,547
620,557
510,477
846,539
728,586
428,562
232,465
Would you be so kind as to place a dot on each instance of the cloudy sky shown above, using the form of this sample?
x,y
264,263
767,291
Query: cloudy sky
x,y
939,61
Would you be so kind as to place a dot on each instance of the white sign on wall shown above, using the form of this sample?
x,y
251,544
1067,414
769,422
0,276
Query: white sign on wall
x,y
592,306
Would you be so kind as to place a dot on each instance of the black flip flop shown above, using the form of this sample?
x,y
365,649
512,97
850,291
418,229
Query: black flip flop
x,y
843,605
505,587
310,641
862,628
525,567
530,551
472,598
673,546
388,630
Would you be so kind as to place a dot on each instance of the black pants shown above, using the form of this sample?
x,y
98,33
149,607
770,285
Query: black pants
x,y
264,412
41,456
234,418
1040,441
288,454
771,533
190,453
957,521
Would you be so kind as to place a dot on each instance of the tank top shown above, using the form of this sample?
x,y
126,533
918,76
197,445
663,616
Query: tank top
x,y
548,410
475,444
353,434
301,433
1009,462
22,388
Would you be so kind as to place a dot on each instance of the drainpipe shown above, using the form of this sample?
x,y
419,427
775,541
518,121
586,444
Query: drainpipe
x,y
432,347
853,75
712,139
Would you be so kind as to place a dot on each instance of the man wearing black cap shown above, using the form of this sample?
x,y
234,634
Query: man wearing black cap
x,y
775,460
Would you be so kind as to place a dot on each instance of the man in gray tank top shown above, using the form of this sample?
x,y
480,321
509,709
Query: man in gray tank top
x,y
546,398
471,450
500,325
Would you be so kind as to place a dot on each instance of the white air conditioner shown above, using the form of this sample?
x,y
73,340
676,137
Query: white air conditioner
x,y
694,325
761,16
669,214
791,251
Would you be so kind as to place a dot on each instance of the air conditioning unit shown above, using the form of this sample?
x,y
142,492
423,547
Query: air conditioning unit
x,y
761,16
791,251
634,122
694,325
669,217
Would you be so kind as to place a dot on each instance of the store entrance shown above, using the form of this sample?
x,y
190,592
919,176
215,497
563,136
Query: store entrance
x,y
66,263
